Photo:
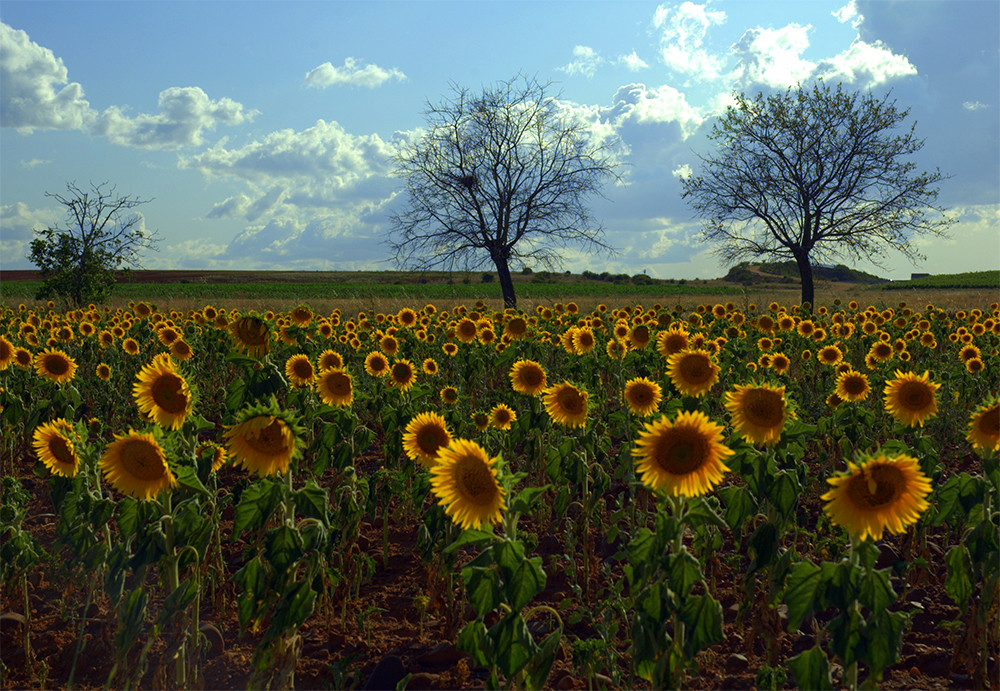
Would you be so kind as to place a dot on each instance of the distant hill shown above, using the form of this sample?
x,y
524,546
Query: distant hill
x,y
788,272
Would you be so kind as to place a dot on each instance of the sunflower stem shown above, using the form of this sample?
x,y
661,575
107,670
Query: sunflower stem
x,y
173,576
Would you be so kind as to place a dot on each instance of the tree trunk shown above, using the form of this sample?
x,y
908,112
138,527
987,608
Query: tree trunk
x,y
806,274
506,283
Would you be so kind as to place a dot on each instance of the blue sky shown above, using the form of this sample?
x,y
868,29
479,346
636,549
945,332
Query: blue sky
x,y
264,131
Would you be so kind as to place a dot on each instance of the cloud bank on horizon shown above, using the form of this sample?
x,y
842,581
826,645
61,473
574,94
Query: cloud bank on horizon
x,y
287,164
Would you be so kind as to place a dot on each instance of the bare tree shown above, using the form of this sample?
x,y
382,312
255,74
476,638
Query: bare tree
x,y
102,238
813,174
499,176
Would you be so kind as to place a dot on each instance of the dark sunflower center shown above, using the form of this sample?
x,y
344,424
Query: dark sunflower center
x,y
167,393
570,401
681,451
695,369
475,481
989,422
763,408
876,486
303,369
61,451
338,384
641,395
401,373
270,441
855,385
430,439
56,365
915,395
141,460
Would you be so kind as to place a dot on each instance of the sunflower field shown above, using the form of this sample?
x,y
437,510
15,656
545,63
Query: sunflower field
x,y
701,496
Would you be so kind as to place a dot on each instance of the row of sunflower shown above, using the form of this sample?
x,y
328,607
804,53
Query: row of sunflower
x,y
464,405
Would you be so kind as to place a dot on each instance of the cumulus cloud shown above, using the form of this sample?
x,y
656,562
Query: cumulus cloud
x,y
682,171
585,62
974,105
185,114
682,39
849,13
772,57
37,93
633,62
353,73
17,224
651,105
870,63
34,163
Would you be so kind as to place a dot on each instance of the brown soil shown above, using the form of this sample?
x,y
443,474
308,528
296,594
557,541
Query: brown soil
x,y
342,653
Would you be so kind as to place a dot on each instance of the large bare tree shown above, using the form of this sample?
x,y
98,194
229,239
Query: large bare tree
x,y
810,174
103,237
499,177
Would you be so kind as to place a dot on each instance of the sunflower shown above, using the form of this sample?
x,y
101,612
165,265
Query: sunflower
x,y
162,393
466,330
406,317
566,404
252,335
481,420
376,364
55,365
103,371
638,337
968,352
23,357
300,371
264,440
583,340
984,427
643,396
683,457
329,359
502,416
6,353
881,351
181,350
135,465
334,386
910,398
430,366
974,365
301,316
516,328
466,483
219,454
880,492
780,363
403,374
449,395
54,446
692,371
758,412
389,345
130,346
424,436
829,355
673,340
527,377
168,335
852,386
449,349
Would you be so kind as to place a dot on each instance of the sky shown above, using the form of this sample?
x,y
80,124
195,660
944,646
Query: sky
x,y
264,132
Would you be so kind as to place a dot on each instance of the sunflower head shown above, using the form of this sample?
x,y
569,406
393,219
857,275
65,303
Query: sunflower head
x,y
692,371
566,404
54,444
879,492
376,364
502,416
683,457
55,365
424,436
527,377
984,427
466,483
910,398
135,464
335,387
252,335
643,396
852,386
758,412
265,439
300,371
162,393
403,374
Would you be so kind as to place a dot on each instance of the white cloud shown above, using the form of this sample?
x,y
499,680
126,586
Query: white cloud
x,y
352,72
586,61
681,172
185,114
974,105
682,39
17,223
662,104
633,62
773,57
37,93
34,163
849,13
873,63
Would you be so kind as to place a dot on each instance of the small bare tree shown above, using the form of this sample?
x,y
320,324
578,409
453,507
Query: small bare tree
x,y
813,174
103,238
500,176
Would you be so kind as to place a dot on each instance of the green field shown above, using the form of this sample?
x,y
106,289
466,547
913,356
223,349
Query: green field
x,y
971,279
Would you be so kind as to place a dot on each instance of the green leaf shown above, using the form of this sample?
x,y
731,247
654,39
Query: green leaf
x,y
473,639
178,600
512,643
685,571
509,556
536,672
764,543
876,591
882,641
701,512
282,547
702,615
527,581
804,582
740,505
784,492
311,501
526,498
812,670
482,584
236,394
469,538
958,584
187,476
257,504
292,610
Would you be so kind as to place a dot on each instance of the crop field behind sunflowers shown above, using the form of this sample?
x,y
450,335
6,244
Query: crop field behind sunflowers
x,y
699,495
